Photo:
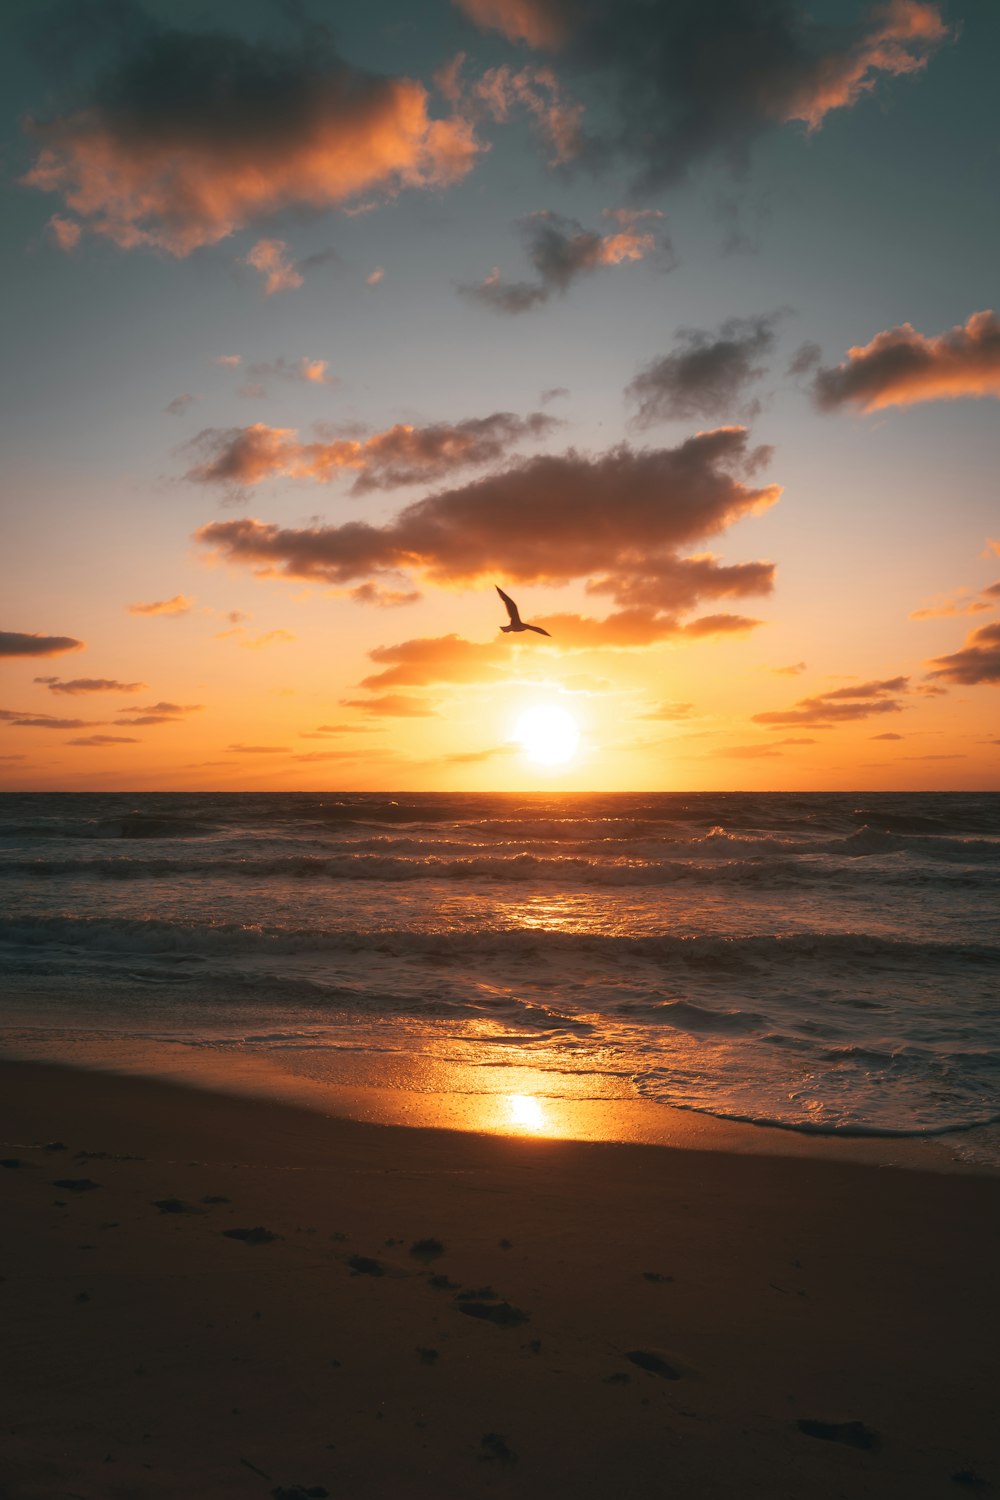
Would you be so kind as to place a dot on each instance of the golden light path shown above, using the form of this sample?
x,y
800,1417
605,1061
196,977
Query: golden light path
x,y
548,734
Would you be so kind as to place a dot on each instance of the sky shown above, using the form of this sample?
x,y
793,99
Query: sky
x,y
676,322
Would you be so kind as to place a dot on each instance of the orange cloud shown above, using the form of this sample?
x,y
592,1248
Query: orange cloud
x,y
196,134
616,519
178,605
540,23
270,259
65,232
501,90
903,35
403,454
392,705
977,662
16,643
901,367
445,658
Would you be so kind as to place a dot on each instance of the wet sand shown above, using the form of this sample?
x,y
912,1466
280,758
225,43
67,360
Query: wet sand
x,y
210,1295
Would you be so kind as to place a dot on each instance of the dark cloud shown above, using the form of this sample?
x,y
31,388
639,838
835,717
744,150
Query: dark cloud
x,y
170,710
900,367
708,374
96,740
90,685
561,250
14,643
372,593
806,357
883,688
190,136
694,79
393,706
978,661
259,749
554,393
179,405
617,519
25,719
824,712
237,457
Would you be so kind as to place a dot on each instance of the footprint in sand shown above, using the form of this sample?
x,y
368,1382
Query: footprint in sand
x,y
854,1434
256,1236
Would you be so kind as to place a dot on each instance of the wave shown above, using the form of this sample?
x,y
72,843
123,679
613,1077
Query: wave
x,y
191,939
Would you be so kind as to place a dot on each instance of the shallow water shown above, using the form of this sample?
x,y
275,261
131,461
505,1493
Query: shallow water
x,y
819,961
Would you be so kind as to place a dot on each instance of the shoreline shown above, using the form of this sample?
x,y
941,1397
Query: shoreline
x,y
637,1317
395,1095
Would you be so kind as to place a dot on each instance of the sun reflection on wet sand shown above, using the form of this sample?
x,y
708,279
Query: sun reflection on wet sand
x,y
526,1113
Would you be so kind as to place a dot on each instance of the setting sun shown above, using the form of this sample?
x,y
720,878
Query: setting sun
x,y
549,735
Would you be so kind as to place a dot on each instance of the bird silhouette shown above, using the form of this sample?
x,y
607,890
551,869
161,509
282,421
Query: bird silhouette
x,y
516,623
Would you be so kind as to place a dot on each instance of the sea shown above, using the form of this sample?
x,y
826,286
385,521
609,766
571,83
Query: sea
x,y
823,962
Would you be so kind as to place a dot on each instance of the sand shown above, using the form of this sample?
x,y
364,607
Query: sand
x,y
206,1295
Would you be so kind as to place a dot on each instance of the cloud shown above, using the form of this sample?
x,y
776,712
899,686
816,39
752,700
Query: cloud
x,y
90,685
445,658
669,712
15,643
616,519
806,357
323,730
65,232
311,755
841,705
172,710
889,736
190,136
25,719
392,705
271,260
540,23
230,361
260,749
309,371
178,605
561,250
958,603
95,740
256,642
536,92
690,81
371,593
404,454
179,405
375,276
554,393
978,661
790,671
901,367
708,375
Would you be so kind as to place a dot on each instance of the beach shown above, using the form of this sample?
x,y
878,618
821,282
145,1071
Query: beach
x,y
223,1295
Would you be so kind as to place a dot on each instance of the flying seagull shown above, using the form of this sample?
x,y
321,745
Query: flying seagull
x,y
516,623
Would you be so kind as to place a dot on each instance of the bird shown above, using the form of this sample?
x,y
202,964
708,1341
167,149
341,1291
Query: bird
x,y
516,623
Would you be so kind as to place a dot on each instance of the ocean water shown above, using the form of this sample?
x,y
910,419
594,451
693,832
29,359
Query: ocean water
x,y
823,962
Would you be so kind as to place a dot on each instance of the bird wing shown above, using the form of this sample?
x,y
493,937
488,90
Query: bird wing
x,y
538,630
515,618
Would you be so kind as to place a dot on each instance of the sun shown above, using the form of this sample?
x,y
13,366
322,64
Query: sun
x,y
548,735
